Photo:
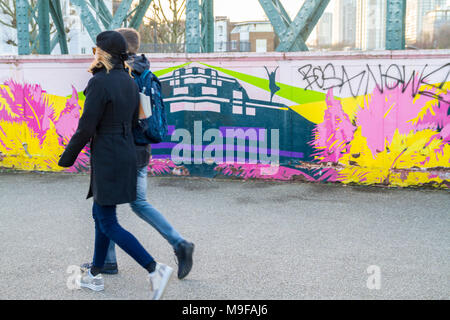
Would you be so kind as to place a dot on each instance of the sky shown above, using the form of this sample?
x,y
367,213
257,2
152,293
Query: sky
x,y
245,10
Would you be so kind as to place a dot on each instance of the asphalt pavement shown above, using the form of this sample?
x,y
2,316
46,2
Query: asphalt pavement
x,y
254,239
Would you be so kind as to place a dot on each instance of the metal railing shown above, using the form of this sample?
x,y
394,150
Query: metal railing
x,y
229,46
233,46
163,48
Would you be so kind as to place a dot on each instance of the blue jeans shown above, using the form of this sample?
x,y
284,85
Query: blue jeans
x,y
149,214
108,229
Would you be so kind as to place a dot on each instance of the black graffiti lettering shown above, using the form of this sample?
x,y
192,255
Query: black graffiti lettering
x,y
434,96
416,84
391,77
318,75
398,78
330,80
378,82
438,85
412,78
305,72
349,81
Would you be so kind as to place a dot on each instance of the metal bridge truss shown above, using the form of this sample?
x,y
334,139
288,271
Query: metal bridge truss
x,y
199,36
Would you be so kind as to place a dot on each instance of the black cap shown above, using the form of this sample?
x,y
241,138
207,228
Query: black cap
x,y
113,43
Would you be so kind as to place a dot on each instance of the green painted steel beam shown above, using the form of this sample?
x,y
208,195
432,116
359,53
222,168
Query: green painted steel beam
x,y
109,21
207,25
120,14
293,34
88,19
23,34
314,19
193,32
102,11
45,7
58,20
54,42
280,21
129,14
140,13
395,24
277,15
303,24
44,26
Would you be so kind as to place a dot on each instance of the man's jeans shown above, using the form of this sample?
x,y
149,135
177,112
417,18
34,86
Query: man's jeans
x,y
148,213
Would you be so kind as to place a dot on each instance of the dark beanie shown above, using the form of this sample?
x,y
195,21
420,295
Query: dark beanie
x,y
113,43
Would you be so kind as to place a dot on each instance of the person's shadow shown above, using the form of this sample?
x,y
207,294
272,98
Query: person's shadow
x,y
272,82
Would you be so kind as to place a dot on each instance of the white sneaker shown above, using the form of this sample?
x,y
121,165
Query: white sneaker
x,y
87,280
159,279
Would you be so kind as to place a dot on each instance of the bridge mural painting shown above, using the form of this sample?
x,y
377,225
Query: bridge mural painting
x,y
383,123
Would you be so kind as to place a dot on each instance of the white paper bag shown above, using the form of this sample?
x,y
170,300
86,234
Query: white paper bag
x,y
146,104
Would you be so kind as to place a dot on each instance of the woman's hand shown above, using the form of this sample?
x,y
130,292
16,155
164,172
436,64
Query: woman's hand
x,y
64,162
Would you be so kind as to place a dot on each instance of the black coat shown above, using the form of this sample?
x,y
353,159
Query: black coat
x,y
111,109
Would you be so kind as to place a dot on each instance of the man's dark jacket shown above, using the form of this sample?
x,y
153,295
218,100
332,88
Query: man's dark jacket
x,y
110,111
139,64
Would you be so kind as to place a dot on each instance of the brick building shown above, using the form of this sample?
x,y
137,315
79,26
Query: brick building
x,y
253,36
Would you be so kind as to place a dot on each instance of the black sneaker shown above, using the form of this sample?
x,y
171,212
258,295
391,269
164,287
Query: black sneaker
x,y
184,253
108,268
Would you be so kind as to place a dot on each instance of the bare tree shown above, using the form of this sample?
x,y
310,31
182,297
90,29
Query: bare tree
x,y
438,39
164,24
442,37
8,9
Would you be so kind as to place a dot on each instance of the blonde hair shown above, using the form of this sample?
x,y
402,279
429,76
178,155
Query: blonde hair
x,y
103,59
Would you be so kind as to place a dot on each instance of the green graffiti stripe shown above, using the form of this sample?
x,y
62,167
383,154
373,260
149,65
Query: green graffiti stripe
x,y
295,94
80,96
162,72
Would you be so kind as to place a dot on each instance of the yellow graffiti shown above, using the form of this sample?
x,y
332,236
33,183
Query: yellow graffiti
x,y
315,111
58,104
24,151
404,153
21,148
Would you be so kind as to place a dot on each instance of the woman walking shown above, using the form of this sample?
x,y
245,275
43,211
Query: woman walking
x,y
110,112
183,249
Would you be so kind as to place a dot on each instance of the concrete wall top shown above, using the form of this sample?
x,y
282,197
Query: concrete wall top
x,y
252,56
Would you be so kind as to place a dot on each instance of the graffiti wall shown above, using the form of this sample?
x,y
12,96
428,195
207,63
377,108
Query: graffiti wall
x,y
358,118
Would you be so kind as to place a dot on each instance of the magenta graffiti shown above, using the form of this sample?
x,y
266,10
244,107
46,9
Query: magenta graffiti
x,y
333,135
261,171
27,104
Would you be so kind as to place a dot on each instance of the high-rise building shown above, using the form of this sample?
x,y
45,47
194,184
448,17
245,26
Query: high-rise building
x,y
370,24
416,10
433,22
344,22
324,30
